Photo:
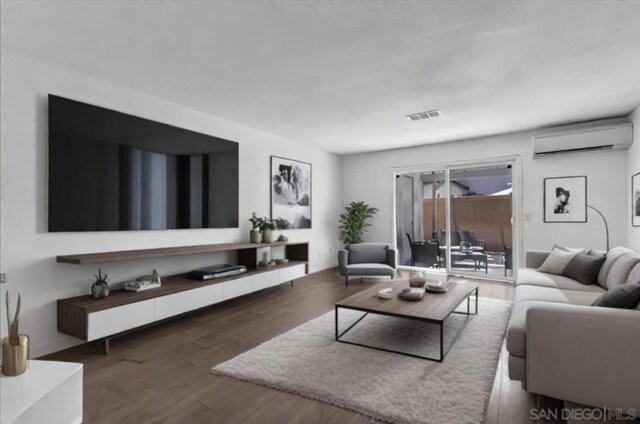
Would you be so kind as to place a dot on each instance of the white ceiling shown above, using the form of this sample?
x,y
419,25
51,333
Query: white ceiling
x,y
342,75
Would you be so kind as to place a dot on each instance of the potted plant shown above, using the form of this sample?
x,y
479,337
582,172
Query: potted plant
x,y
354,221
100,288
268,226
254,234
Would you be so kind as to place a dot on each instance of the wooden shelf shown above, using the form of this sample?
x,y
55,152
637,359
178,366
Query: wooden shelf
x,y
129,255
170,285
93,319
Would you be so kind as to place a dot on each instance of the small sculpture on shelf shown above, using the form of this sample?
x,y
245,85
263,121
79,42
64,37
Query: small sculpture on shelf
x,y
15,347
100,288
144,282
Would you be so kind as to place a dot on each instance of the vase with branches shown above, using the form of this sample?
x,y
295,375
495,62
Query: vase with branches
x,y
15,347
354,221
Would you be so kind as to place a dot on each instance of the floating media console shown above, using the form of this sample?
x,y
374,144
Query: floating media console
x,y
101,319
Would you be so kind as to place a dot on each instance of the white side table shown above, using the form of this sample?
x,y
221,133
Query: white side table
x,y
49,392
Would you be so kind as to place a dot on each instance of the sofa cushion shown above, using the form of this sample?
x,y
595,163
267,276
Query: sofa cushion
x,y
621,269
624,296
369,269
547,294
368,253
533,277
634,275
584,268
557,261
612,256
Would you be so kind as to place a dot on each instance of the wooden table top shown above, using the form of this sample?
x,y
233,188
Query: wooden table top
x,y
432,307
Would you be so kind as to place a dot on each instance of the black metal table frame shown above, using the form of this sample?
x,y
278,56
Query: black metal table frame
x,y
440,323
478,260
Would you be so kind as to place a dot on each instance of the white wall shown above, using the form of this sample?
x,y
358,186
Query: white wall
x,y
28,252
633,167
605,171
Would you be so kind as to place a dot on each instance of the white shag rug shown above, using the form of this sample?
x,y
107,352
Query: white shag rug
x,y
385,386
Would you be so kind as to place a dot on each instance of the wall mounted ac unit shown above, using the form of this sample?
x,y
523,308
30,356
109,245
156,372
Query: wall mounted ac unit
x,y
607,134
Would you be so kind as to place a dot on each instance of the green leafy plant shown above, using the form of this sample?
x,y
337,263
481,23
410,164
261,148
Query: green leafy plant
x,y
267,224
262,223
255,221
354,221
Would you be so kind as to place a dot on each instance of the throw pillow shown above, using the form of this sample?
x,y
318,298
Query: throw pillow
x,y
557,261
612,256
620,270
584,268
625,296
572,249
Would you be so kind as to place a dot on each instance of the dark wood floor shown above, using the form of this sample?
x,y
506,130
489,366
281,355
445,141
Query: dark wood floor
x,y
161,374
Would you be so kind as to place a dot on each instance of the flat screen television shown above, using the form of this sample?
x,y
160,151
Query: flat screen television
x,y
109,171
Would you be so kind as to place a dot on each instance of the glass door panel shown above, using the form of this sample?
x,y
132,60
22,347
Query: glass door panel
x,y
479,225
420,213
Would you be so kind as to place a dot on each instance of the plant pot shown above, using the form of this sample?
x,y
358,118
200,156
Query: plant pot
x,y
267,236
99,290
15,359
255,236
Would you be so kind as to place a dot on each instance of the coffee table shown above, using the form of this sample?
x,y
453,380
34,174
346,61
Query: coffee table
x,y
433,308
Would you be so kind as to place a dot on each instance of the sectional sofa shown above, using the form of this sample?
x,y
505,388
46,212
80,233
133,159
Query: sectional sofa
x,y
561,346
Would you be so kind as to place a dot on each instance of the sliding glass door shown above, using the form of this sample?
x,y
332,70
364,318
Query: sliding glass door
x,y
459,219
480,220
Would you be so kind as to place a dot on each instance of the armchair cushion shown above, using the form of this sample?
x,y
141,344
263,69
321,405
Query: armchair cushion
x,y
361,253
369,269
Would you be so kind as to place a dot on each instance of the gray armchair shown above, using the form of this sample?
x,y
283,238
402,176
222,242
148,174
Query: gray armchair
x,y
367,259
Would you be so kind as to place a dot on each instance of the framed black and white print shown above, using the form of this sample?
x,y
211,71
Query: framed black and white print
x,y
290,193
635,200
565,199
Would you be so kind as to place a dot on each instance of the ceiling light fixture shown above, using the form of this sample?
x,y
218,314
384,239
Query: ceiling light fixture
x,y
424,115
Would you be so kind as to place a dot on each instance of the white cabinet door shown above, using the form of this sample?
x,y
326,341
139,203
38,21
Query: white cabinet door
x,y
164,307
264,280
235,288
197,298
121,318
291,273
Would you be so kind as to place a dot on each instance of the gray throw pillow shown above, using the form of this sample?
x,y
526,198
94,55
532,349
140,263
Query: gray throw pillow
x,y
584,268
557,261
625,296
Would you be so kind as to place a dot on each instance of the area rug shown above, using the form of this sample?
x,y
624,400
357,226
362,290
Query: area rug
x,y
385,386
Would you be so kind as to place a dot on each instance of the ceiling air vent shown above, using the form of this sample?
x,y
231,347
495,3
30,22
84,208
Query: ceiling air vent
x,y
424,115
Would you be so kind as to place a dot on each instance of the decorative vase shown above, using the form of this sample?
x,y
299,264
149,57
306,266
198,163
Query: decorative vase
x,y
267,236
15,359
99,290
254,236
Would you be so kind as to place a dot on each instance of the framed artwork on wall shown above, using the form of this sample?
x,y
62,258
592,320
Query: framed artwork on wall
x,y
635,200
565,199
290,193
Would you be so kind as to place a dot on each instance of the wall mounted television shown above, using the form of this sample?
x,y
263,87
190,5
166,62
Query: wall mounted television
x,y
109,171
